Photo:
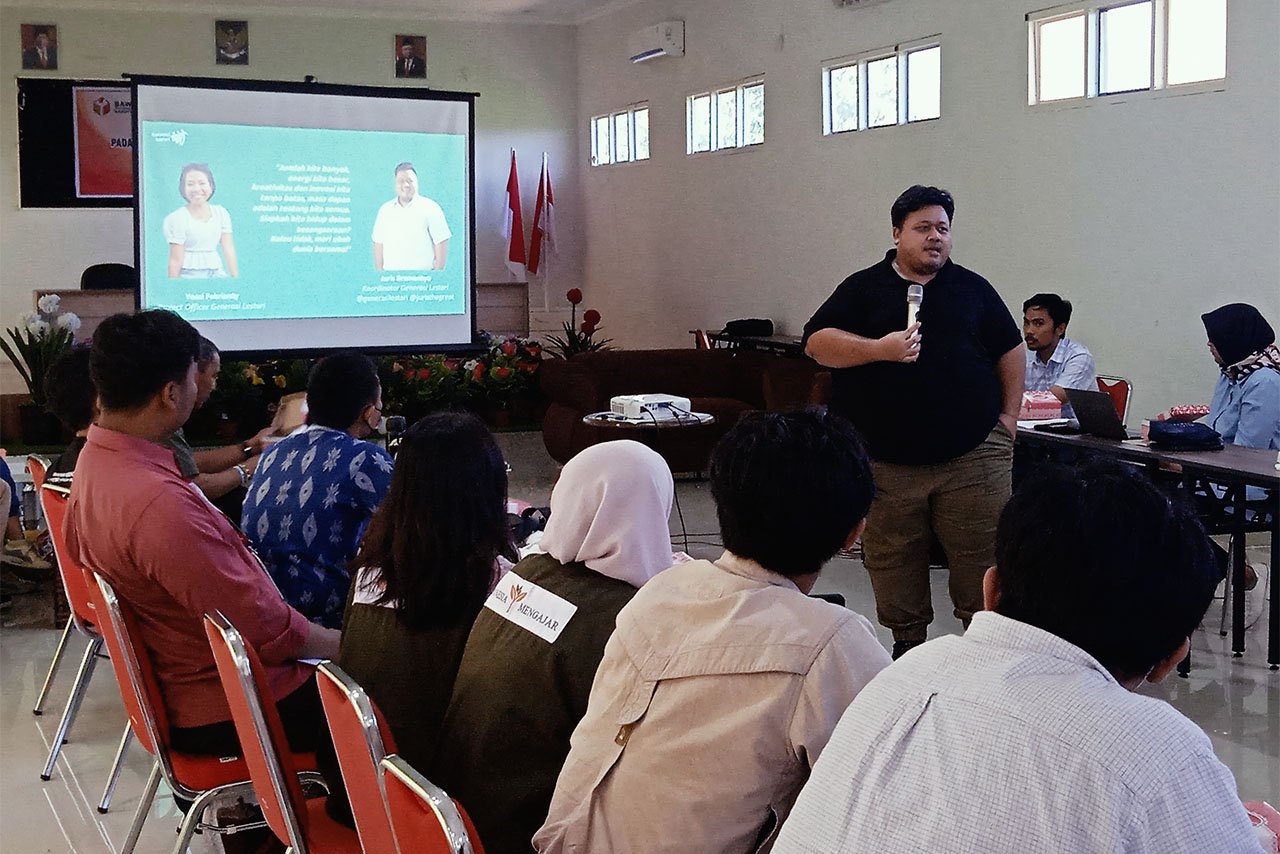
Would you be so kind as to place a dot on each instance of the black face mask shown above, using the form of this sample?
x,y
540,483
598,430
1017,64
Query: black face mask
x,y
1237,331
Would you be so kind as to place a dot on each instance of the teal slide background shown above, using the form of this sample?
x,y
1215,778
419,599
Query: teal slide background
x,y
275,281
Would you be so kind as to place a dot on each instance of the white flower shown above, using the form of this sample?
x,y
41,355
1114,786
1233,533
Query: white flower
x,y
24,319
470,364
69,321
39,328
49,303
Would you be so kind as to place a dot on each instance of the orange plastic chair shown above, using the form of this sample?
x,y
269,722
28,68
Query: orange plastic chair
x,y
199,779
361,740
36,467
425,818
1121,390
301,824
53,501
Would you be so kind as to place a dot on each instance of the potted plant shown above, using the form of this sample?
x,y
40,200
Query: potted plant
x,y
39,339
578,338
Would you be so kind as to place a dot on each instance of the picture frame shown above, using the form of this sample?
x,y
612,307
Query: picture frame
x,y
39,47
410,57
231,42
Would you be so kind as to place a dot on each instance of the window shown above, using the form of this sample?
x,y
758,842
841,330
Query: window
x,y
1106,48
886,87
621,137
732,117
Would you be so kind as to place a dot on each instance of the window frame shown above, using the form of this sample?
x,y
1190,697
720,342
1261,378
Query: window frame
x,y
898,52
713,95
610,120
1092,56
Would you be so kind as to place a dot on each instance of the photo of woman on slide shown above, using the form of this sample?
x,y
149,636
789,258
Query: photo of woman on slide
x,y
196,230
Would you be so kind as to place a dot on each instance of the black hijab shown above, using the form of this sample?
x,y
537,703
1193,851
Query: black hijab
x,y
1237,331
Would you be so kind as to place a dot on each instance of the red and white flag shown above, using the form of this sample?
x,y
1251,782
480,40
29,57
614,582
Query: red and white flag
x,y
543,238
513,225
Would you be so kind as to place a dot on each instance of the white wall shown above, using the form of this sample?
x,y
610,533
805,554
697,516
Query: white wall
x,y
526,76
1145,214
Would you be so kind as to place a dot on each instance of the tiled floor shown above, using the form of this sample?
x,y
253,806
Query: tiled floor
x,y
1236,701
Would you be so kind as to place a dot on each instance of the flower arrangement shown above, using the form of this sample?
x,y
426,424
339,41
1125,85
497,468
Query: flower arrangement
x,y
578,338
38,340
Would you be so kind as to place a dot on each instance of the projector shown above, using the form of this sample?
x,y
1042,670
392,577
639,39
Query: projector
x,y
649,406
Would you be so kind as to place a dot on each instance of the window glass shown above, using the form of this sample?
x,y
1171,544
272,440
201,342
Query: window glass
x,y
924,84
1061,66
843,85
1124,48
882,92
1197,44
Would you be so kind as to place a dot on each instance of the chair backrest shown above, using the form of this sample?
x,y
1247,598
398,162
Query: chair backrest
x,y
37,466
361,740
134,671
1120,390
257,723
75,581
426,820
108,276
701,340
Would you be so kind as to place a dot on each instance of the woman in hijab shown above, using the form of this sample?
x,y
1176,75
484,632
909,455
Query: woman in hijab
x,y
1245,411
1246,400
529,662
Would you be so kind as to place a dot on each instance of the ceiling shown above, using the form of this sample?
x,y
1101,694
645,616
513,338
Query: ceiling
x,y
505,11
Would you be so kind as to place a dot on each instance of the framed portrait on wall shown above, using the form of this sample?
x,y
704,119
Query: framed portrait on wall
x,y
411,56
40,47
231,42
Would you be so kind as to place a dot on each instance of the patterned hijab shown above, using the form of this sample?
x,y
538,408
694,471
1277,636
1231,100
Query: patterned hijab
x,y
1244,340
609,510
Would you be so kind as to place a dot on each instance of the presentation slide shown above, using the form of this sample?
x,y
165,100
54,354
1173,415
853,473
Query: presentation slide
x,y
288,220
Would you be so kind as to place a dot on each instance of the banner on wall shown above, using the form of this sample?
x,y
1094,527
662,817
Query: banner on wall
x,y
103,122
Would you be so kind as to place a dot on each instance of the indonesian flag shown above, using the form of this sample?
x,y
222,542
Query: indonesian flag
x,y
513,225
544,220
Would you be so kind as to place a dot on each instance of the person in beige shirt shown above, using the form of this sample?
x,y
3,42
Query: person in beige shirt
x,y
723,680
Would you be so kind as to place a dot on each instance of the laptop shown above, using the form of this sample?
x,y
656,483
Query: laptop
x,y
1097,414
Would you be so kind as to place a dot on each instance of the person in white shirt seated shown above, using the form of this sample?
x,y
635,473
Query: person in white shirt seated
x,y
1028,733
1055,363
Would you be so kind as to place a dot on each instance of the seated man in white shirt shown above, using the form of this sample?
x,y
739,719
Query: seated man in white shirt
x,y
1055,363
410,232
1027,734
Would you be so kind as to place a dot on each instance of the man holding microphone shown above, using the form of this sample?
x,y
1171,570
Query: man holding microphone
x,y
937,402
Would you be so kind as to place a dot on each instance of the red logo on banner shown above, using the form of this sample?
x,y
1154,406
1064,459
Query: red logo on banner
x,y
102,106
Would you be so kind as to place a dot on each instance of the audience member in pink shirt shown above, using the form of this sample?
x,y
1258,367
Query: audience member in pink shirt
x,y
169,554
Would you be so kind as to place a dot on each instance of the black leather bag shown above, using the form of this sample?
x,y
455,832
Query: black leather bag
x,y
1183,436
753,328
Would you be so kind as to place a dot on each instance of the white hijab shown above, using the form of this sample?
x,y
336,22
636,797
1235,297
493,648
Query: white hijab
x,y
609,510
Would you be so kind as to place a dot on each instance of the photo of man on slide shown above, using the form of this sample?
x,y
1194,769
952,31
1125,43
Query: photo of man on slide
x,y
410,232
196,230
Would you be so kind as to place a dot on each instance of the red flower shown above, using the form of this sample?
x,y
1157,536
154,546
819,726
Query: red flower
x,y
534,349
574,296
587,328
527,367
451,365
508,348
424,373
591,316
478,373
501,373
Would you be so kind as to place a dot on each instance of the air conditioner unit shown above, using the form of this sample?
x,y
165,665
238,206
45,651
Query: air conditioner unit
x,y
665,39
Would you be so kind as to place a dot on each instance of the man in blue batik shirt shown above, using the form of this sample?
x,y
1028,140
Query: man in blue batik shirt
x,y
313,493
1055,363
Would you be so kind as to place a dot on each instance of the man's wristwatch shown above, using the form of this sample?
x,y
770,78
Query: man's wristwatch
x,y
245,477
247,450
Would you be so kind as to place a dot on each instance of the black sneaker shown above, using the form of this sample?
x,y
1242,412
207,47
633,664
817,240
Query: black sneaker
x,y
900,648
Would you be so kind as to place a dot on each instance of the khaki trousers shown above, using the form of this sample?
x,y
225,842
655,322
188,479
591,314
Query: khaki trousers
x,y
959,501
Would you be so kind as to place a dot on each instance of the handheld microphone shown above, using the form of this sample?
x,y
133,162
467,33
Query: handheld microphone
x,y
915,296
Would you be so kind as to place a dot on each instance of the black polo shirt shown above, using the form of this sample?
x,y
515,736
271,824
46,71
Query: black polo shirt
x,y
946,402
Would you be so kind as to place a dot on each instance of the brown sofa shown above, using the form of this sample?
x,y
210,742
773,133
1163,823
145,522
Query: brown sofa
x,y
725,383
